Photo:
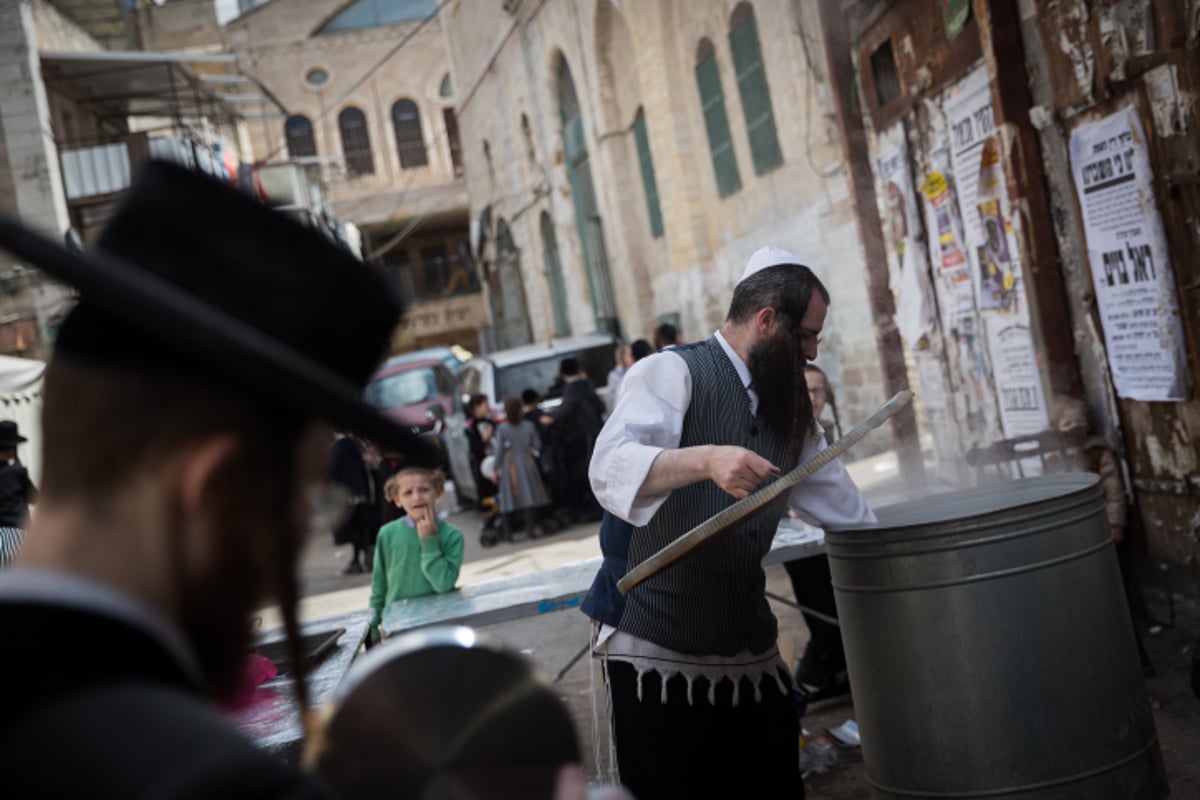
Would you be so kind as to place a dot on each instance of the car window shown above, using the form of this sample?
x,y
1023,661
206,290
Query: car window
x,y
404,388
538,375
445,382
468,381
542,374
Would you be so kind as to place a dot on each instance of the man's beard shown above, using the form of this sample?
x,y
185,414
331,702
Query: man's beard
x,y
777,373
215,607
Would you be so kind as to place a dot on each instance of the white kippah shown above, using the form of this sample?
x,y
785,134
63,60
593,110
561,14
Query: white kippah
x,y
767,257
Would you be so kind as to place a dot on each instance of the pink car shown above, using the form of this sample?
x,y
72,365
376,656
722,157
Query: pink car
x,y
408,391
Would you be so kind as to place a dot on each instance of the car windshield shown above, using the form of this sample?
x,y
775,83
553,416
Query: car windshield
x,y
542,374
403,389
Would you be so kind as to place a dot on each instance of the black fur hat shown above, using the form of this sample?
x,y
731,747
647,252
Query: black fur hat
x,y
193,277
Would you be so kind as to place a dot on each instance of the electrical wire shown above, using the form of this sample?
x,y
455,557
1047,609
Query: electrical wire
x,y
808,115
408,37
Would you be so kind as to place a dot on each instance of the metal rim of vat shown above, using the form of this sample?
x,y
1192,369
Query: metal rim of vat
x,y
1029,787
1078,499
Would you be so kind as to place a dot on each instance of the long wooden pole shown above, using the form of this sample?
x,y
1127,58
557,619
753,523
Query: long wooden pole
x,y
748,506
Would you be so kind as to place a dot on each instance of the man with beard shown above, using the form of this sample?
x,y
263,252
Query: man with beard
x,y
701,702
186,417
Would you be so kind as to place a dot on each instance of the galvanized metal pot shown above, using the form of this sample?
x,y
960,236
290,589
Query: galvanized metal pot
x,y
990,648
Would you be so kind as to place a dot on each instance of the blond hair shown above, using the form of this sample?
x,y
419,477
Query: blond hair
x,y
392,485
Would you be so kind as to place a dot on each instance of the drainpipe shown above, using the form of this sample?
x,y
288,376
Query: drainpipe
x,y
835,32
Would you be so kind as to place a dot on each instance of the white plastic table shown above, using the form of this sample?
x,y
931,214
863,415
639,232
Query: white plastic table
x,y
564,587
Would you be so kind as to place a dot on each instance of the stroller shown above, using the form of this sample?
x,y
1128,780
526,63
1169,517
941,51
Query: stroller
x,y
551,518
492,530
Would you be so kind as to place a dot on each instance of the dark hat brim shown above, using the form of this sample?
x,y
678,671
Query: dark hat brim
x,y
206,332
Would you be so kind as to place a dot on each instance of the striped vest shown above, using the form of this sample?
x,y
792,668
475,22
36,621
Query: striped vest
x,y
711,602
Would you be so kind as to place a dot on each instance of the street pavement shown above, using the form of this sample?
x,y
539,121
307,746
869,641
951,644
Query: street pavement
x,y
556,642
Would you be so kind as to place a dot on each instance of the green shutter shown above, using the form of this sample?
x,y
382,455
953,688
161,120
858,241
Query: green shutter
x,y
720,143
648,181
756,96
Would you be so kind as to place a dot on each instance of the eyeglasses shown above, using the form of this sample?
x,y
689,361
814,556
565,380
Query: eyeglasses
x,y
810,337
803,334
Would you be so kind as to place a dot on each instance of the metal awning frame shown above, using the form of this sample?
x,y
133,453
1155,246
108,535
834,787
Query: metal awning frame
x,y
120,79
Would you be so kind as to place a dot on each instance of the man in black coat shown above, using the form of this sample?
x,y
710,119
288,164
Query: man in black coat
x,y
577,422
187,413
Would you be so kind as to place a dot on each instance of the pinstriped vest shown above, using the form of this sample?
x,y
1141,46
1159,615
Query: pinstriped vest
x,y
711,602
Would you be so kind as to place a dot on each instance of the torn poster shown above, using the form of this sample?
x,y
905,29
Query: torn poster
x,y
915,307
1015,371
1131,266
970,121
947,249
979,186
997,280
950,246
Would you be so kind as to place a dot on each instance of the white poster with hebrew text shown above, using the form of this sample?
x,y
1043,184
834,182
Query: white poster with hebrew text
x,y
1131,267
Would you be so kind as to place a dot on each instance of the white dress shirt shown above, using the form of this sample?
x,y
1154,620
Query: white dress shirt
x,y
648,418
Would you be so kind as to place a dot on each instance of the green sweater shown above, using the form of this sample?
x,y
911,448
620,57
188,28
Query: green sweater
x,y
408,566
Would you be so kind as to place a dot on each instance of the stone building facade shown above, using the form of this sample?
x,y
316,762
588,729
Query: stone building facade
x,y
33,122
629,157
370,100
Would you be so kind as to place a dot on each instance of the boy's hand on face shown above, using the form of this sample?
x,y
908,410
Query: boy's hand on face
x,y
426,521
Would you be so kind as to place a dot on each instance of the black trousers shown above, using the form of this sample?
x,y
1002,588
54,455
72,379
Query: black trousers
x,y
701,750
812,584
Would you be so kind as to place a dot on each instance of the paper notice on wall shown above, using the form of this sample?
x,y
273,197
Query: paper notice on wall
x,y
1131,266
949,238
901,229
1015,372
969,121
932,382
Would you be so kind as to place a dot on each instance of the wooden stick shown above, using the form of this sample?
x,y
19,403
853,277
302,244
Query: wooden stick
x,y
748,506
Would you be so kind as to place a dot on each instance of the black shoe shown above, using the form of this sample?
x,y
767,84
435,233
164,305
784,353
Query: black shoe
x,y
822,685
353,568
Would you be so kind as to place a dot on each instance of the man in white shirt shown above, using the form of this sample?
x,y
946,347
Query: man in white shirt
x,y
686,653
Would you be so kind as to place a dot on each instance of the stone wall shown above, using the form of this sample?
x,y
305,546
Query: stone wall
x,y
181,25
642,55
277,45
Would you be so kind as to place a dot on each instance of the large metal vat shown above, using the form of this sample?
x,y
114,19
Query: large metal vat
x,y
990,648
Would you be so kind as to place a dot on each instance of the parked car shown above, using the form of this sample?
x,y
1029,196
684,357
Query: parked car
x,y
418,393
453,357
507,373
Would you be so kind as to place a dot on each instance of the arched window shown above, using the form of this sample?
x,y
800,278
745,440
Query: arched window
x,y
568,101
447,88
716,122
527,134
554,277
649,182
409,140
298,132
752,86
356,142
452,140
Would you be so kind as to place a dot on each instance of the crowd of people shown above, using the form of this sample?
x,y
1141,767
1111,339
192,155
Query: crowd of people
x,y
186,425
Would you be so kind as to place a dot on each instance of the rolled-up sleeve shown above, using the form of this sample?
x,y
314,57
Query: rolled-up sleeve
x,y
829,498
647,419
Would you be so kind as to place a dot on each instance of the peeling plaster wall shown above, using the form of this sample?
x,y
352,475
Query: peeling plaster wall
x,y
1143,54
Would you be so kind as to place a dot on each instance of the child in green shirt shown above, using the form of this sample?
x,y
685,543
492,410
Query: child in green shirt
x,y
416,554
